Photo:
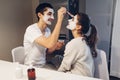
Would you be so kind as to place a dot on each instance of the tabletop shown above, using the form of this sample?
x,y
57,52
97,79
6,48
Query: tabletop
x,y
8,69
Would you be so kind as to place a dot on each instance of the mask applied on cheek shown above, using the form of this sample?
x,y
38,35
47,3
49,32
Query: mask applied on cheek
x,y
71,26
46,19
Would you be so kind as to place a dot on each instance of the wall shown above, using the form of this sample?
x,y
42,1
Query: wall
x,y
82,6
100,12
34,5
115,48
15,16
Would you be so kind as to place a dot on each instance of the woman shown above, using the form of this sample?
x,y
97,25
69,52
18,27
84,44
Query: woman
x,y
79,52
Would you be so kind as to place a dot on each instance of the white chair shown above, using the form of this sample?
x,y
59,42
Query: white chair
x,y
101,68
18,54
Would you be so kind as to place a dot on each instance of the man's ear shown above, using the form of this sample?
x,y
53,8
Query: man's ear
x,y
39,14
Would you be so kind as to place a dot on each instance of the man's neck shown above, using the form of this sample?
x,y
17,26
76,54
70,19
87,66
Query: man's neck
x,y
42,26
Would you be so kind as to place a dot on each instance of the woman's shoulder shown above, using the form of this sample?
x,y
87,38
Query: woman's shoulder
x,y
76,41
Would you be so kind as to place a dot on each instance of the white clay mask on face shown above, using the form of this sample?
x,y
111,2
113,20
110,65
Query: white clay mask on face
x,y
72,23
47,18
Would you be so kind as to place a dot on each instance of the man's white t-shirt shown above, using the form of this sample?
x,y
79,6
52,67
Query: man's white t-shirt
x,y
35,54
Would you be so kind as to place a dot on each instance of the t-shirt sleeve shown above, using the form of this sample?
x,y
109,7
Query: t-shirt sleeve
x,y
32,34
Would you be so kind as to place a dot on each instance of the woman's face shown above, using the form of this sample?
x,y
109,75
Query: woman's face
x,y
72,23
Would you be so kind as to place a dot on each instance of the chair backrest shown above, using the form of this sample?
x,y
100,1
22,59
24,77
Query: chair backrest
x,y
101,68
18,54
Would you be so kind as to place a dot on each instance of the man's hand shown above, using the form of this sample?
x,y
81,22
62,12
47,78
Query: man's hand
x,y
59,45
61,12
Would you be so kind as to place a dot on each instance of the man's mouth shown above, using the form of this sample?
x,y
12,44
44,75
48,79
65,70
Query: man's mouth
x,y
50,19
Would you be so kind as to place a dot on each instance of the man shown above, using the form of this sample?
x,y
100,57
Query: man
x,y
38,38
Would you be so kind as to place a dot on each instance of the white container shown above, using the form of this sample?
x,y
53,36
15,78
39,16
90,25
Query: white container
x,y
60,40
18,71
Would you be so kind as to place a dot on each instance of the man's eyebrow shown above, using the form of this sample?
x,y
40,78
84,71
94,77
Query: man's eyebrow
x,y
70,14
50,13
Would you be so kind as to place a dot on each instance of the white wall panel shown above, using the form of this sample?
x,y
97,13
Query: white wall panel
x,y
115,48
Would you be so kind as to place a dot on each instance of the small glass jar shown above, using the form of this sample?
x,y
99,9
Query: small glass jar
x,y
31,73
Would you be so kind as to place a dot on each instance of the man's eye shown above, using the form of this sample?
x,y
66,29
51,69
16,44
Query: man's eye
x,y
49,14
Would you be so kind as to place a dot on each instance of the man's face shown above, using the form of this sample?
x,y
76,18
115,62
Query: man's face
x,y
48,16
72,23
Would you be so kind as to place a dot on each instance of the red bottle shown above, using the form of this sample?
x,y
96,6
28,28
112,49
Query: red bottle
x,y
31,74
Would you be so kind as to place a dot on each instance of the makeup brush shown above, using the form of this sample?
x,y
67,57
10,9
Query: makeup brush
x,y
70,14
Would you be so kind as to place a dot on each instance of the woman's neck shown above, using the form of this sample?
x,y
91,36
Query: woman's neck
x,y
76,35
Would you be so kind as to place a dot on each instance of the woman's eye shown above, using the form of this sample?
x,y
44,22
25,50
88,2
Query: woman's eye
x,y
72,19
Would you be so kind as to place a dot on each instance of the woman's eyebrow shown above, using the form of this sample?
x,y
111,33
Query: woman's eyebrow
x,y
70,14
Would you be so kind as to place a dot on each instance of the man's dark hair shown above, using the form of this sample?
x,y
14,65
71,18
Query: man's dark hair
x,y
42,7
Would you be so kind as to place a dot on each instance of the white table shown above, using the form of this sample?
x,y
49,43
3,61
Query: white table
x,y
7,72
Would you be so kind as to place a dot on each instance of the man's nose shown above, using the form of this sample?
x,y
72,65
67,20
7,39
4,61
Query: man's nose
x,y
52,17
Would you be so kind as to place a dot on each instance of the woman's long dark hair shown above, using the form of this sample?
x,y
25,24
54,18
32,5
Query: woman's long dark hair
x,y
91,39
